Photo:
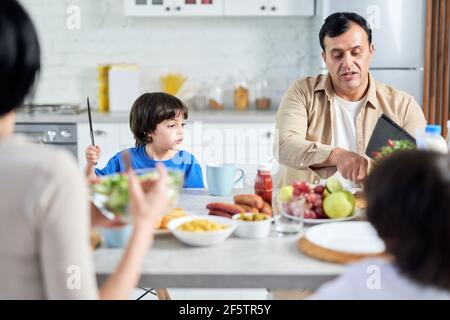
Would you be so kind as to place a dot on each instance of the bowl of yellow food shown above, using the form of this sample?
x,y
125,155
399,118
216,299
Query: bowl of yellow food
x,y
252,225
202,230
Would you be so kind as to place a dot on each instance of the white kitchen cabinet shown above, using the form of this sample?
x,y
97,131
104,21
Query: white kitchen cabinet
x,y
245,8
166,8
111,137
292,7
244,144
269,8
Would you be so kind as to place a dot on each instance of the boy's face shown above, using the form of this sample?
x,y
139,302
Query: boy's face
x,y
169,134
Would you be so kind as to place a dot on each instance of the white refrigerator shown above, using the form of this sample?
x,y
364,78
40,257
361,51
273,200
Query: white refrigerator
x,y
398,34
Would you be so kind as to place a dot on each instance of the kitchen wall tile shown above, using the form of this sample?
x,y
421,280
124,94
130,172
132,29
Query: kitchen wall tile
x,y
205,49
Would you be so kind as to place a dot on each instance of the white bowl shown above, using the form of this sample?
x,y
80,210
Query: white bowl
x,y
207,238
252,229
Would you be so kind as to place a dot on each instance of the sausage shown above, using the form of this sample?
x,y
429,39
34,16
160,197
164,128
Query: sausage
x,y
220,213
227,207
252,200
249,208
267,209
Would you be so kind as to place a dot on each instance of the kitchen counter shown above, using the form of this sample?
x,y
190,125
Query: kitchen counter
x,y
273,262
250,116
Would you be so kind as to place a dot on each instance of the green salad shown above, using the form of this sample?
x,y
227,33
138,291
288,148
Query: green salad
x,y
114,189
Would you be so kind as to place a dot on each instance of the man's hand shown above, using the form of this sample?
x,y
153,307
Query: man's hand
x,y
351,165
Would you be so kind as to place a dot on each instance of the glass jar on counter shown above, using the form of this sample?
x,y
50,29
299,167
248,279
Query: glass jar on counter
x,y
241,95
215,98
262,95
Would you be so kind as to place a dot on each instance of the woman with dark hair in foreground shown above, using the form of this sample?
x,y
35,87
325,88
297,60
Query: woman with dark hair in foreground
x,y
408,203
44,229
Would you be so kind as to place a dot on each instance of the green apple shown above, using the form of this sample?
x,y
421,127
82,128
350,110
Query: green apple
x,y
333,185
340,204
350,198
285,194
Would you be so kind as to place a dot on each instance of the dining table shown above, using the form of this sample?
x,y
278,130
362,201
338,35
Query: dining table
x,y
273,262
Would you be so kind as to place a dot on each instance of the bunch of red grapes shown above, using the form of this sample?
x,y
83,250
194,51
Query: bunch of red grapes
x,y
313,199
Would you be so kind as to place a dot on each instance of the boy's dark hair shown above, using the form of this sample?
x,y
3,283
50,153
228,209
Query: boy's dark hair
x,y
149,110
19,55
339,22
408,203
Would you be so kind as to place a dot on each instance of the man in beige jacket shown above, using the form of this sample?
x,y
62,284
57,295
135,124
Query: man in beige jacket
x,y
325,122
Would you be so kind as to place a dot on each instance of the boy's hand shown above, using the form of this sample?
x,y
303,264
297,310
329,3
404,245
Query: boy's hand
x,y
92,155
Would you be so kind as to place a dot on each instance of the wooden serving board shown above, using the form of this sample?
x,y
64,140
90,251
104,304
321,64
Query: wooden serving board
x,y
315,251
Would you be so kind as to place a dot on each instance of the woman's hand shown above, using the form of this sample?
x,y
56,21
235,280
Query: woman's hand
x,y
99,220
147,206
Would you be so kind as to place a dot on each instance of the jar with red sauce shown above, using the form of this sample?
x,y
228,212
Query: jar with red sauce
x,y
263,182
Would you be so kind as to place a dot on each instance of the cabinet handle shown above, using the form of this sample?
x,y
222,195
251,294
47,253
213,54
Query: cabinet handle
x,y
167,8
66,134
100,133
263,8
268,134
273,8
49,136
178,8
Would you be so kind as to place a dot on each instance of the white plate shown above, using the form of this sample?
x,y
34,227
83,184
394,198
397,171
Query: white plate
x,y
356,214
202,238
356,237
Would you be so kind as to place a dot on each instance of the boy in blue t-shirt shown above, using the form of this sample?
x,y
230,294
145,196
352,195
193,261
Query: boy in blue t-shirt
x,y
157,121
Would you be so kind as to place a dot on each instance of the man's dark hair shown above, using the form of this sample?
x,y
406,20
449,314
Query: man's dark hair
x,y
149,110
408,203
19,55
339,22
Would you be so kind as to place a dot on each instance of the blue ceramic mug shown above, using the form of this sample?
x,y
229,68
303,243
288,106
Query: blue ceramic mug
x,y
221,178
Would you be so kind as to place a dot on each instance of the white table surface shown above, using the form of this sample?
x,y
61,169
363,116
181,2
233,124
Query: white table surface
x,y
273,262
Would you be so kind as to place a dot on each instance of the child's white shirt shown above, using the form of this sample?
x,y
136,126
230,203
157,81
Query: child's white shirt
x,y
376,279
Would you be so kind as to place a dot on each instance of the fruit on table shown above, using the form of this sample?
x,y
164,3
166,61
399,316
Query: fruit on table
x,y
285,194
300,187
340,204
333,185
301,197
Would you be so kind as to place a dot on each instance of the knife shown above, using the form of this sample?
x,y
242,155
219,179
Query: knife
x,y
90,122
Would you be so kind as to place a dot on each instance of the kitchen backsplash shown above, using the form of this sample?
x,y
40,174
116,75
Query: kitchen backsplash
x,y
205,49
